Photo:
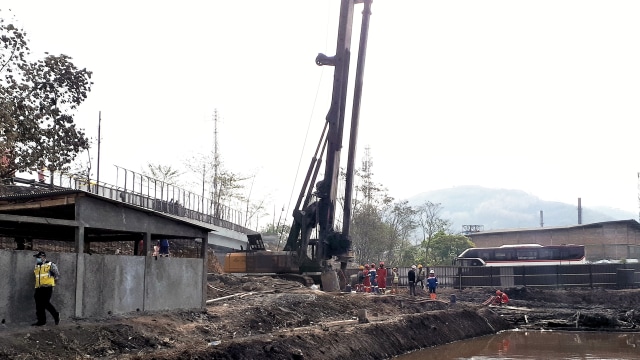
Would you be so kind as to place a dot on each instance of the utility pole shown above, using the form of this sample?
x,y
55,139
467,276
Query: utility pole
x,y
98,169
216,161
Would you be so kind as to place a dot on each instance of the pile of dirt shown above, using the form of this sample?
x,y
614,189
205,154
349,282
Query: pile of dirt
x,y
264,317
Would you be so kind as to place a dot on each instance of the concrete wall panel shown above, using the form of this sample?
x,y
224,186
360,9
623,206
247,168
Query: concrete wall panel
x,y
173,283
113,284
17,286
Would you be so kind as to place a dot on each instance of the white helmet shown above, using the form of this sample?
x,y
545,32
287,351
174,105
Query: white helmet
x,y
413,266
432,272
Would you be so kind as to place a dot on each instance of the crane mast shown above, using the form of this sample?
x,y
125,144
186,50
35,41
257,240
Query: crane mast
x,y
312,254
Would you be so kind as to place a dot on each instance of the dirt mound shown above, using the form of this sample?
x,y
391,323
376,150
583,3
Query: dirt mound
x,y
264,317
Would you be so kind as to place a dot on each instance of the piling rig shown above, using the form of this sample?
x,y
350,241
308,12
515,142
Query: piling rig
x,y
316,210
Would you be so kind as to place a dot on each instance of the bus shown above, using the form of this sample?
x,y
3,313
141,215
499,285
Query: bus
x,y
522,254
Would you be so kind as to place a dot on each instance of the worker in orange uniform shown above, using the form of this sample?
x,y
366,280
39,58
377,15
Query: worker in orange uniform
x,y
367,280
382,278
501,298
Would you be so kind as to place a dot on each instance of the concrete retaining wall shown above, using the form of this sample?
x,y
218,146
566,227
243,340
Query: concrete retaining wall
x,y
111,284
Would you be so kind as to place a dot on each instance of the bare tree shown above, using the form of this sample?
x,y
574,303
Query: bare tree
x,y
430,222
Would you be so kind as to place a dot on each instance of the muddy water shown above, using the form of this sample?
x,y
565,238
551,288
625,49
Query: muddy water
x,y
548,345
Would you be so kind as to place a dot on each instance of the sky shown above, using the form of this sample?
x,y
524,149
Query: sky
x,y
540,96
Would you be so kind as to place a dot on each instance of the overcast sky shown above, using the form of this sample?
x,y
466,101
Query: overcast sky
x,y
541,96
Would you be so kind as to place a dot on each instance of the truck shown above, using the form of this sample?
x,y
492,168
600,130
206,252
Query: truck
x,y
316,243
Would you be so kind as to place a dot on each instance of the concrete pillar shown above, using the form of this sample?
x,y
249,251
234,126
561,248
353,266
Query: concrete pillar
x,y
205,267
146,253
79,242
147,244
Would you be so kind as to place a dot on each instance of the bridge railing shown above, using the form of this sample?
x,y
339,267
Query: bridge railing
x,y
141,190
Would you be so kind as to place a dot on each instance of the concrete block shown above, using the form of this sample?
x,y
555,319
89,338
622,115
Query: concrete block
x,y
173,283
17,305
113,284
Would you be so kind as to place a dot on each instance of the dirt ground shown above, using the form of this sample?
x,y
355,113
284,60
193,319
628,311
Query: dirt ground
x,y
254,316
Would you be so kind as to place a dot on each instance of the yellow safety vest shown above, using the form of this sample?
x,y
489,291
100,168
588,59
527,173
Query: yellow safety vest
x,y
43,275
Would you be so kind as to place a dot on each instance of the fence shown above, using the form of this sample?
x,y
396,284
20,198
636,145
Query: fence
x,y
553,276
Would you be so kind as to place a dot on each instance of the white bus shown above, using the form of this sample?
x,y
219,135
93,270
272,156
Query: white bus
x,y
522,254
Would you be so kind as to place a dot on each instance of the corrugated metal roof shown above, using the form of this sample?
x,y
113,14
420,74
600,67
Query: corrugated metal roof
x,y
630,222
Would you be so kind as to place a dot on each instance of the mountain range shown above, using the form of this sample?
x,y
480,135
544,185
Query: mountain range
x,y
510,209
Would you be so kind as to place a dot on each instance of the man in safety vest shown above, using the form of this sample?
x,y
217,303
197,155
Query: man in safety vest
x,y
46,274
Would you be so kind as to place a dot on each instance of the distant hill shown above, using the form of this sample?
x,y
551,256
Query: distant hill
x,y
509,209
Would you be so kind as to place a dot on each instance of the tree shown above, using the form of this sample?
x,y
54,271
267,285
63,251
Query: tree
x,y
37,103
430,222
401,218
164,173
445,247
371,238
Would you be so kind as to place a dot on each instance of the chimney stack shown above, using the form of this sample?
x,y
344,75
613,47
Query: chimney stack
x,y
579,211
541,219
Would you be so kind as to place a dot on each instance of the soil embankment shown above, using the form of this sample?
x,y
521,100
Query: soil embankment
x,y
265,318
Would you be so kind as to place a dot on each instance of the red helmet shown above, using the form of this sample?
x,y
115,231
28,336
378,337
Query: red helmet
x,y
498,292
366,266
381,262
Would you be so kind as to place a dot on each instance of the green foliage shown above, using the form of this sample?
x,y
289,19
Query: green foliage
x,y
445,247
37,103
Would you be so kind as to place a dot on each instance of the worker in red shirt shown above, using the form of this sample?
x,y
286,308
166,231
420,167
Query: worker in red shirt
x,y
367,279
500,298
382,278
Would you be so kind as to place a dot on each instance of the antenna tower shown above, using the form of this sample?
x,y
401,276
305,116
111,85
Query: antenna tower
x,y
216,158
367,164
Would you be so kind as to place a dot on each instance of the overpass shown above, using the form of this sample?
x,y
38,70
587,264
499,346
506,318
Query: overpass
x,y
141,190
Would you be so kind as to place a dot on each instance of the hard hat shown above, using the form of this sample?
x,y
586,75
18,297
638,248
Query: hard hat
x,y
419,266
361,267
395,268
366,266
373,264
413,266
432,272
381,262
498,292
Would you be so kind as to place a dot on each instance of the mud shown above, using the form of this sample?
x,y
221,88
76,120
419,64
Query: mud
x,y
266,318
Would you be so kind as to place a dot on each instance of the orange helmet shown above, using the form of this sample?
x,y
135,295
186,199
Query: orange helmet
x,y
361,267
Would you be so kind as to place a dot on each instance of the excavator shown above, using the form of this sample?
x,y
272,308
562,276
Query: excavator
x,y
305,256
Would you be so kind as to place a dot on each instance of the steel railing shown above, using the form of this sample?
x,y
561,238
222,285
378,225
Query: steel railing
x,y
140,190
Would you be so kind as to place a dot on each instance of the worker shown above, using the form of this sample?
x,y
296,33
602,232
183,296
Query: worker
x,y
420,276
164,248
367,279
360,286
500,298
46,273
432,281
382,278
374,278
412,280
396,280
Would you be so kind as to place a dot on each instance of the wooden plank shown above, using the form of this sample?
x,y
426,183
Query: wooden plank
x,y
40,204
37,220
